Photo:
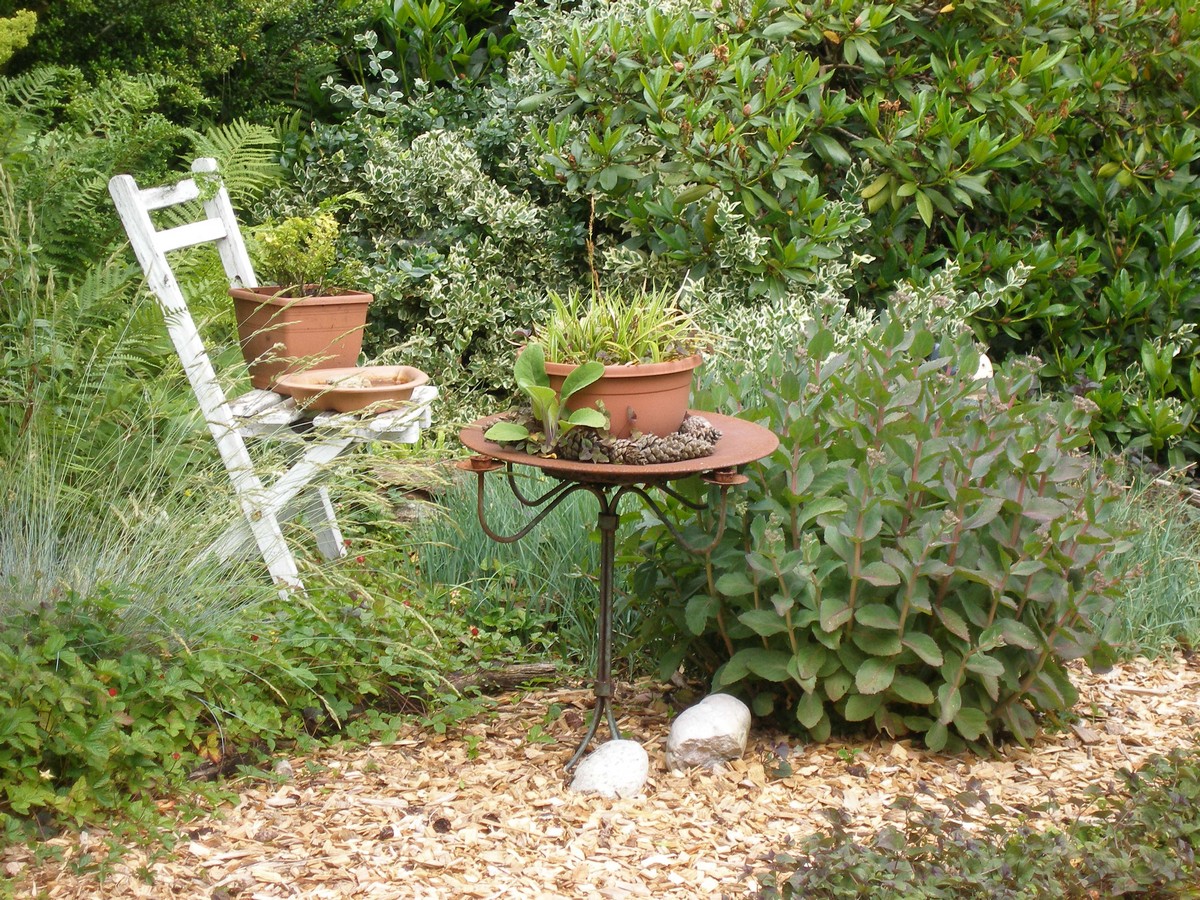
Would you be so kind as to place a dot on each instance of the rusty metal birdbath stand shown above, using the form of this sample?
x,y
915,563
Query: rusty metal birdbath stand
x,y
741,442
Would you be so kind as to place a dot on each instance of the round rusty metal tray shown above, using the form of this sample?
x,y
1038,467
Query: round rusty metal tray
x,y
741,442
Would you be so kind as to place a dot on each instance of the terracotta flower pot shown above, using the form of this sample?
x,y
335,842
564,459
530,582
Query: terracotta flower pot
x,y
283,335
651,398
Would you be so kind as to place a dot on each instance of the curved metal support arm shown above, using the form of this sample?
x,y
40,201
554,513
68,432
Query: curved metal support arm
x,y
552,499
526,501
690,504
662,516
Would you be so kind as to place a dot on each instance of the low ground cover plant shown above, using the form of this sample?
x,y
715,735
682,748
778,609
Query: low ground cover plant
x,y
1140,839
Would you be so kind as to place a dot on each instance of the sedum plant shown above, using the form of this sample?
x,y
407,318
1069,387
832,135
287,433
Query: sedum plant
x,y
923,554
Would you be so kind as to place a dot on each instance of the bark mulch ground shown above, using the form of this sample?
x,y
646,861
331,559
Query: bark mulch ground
x,y
485,812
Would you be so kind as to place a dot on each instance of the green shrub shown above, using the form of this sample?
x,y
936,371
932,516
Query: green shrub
x,y
1141,841
456,258
250,57
1057,135
458,42
923,553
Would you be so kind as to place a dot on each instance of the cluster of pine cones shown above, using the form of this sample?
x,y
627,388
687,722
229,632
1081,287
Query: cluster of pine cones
x,y
696,438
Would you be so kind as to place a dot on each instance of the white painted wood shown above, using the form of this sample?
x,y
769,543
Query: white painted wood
x,y
189,235
169,195
255,402
258,413
319,512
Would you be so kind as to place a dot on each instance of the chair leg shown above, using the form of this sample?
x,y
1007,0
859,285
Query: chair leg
x,y
276,553
319,513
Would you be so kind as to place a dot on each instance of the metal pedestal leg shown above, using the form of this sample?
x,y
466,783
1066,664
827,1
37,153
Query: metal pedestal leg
x,y
608,495
607,523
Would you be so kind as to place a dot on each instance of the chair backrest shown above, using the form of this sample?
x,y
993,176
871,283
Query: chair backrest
x,y
151,246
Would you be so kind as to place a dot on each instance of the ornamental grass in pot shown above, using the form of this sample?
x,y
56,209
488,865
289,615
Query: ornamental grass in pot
x,y
606,372
649,347
297,321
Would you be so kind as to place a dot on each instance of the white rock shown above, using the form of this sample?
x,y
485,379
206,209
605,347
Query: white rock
x,y
707,734
615,769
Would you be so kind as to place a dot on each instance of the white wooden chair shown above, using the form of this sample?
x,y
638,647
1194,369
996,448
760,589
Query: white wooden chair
x,y
257,414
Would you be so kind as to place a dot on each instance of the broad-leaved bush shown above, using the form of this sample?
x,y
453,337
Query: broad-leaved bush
x,y
1054,135
923,555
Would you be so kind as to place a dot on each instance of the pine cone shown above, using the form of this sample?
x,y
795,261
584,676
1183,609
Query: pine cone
x,y
650,449
701,428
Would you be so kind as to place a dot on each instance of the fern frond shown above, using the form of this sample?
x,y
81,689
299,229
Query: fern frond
x,y
247,155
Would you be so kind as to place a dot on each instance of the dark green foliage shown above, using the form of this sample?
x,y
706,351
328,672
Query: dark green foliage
x,y
1141,841
922,554
1058,136
62,138
249,57
93,715
457,42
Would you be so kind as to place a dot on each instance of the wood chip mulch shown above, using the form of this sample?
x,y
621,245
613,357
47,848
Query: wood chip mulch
x,y
428,816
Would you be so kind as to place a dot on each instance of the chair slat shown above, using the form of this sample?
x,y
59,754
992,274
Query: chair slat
x,y
190,234
169,195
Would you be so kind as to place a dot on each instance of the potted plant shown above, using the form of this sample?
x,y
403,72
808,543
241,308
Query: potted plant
x,y
296,321
650,349
620,365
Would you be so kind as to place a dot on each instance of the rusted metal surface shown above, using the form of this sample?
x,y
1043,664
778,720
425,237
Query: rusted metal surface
x,y
741,442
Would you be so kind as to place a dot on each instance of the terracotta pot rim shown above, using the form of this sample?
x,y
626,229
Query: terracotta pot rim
x,y
268,294
634,370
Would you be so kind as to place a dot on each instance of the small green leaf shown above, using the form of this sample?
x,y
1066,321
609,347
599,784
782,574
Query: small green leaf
x,y
835,614
768,664
580,377
925,647
971,723
506,432
763,704
809,710
1018,634
874,676
589,418
879,574
860,708
735,584
954,623
936,737
983,664
807,661
949,700
837,684
763,622
698,611
925,208
878,615
912,690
